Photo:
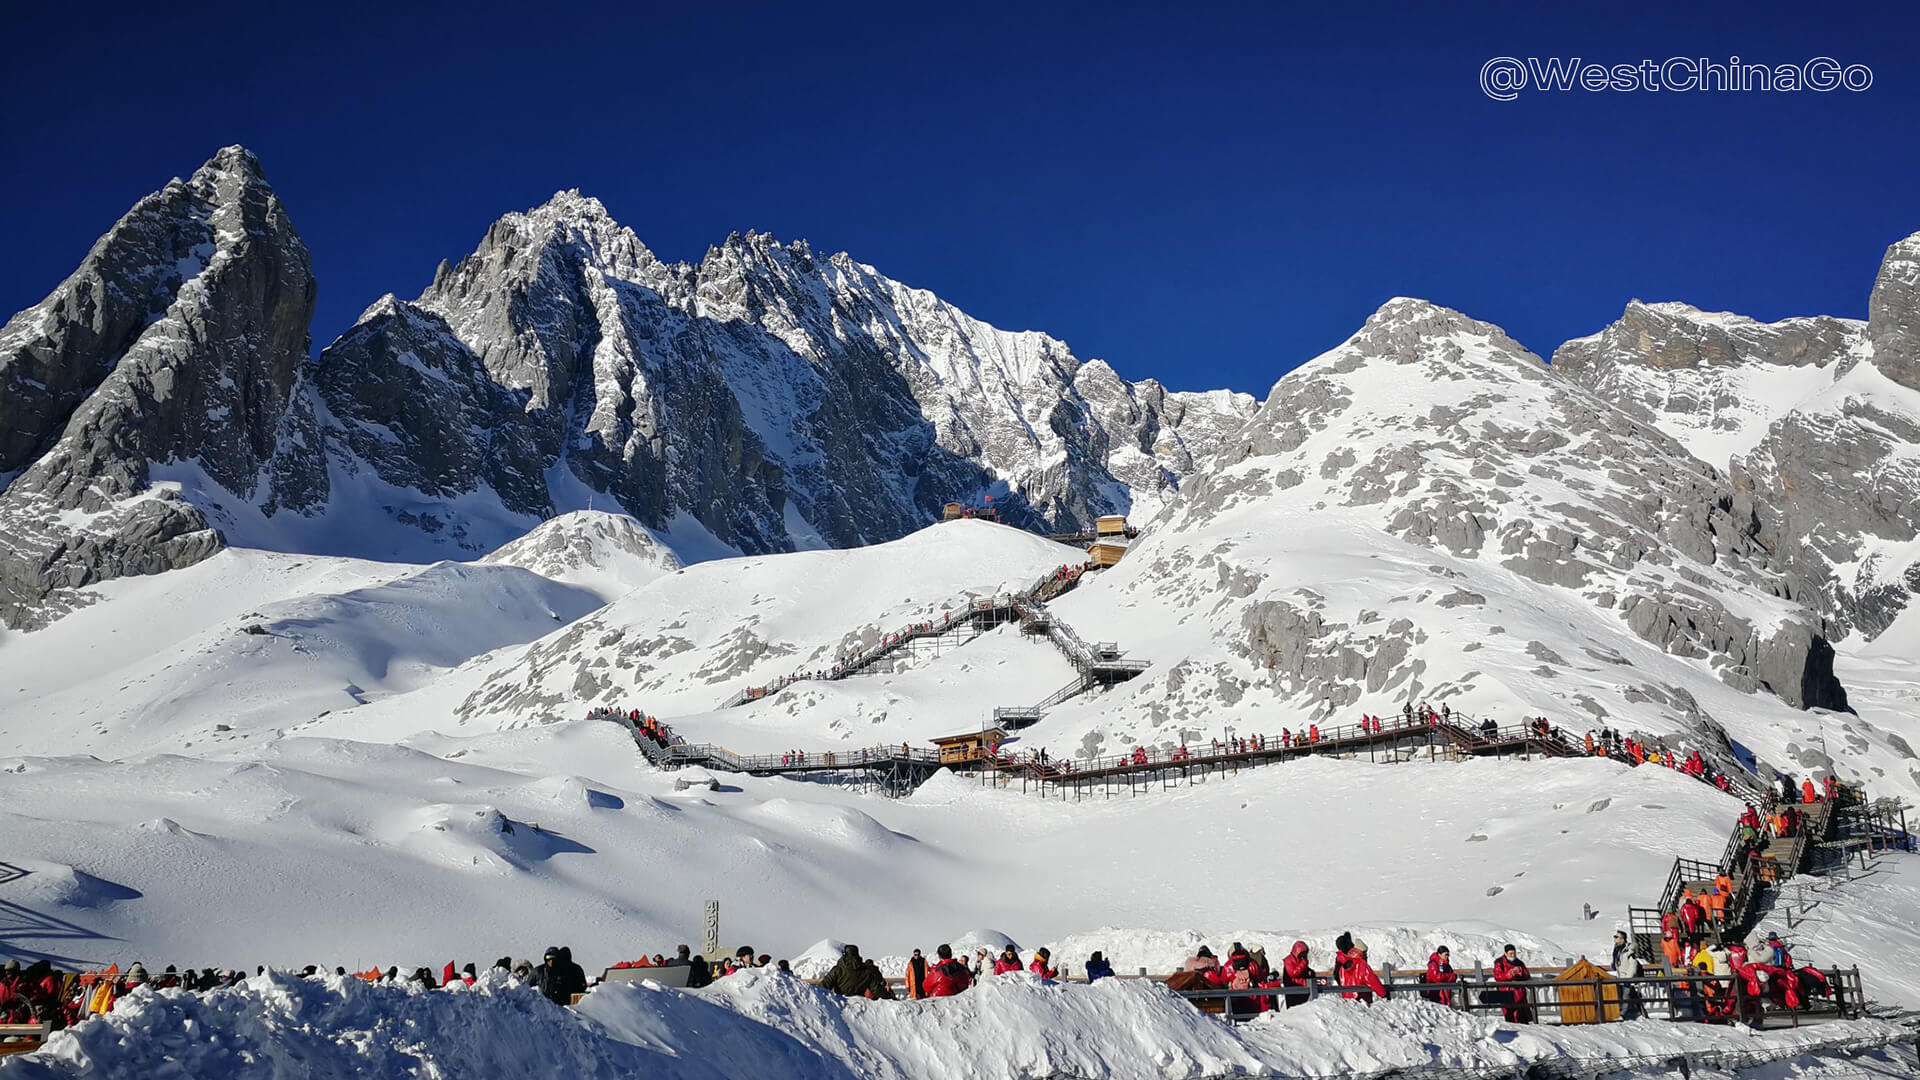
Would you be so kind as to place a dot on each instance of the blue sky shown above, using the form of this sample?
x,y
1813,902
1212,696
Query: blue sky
x,y
1206,194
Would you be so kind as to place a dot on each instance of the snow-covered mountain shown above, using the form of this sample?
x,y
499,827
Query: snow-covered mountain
x,y
161,403
770,397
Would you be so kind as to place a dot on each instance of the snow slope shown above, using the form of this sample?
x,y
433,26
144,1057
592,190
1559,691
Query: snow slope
x,y
304,850
268,665
691,640
758,1024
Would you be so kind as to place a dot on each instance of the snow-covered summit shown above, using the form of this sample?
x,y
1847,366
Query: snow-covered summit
x,y
1428,511
607,554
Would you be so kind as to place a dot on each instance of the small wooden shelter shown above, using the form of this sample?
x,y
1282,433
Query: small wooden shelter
x,y
1583,1002
968,748
1111,525
952,512
1107,552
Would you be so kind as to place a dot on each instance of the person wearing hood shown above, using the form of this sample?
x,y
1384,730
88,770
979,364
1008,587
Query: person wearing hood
x,y
1440,970
553,979
1098,968
1295,974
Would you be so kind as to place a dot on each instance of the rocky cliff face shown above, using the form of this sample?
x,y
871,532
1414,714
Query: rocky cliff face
x,y
1836,481
777,398
1816,420
177,351
1712,380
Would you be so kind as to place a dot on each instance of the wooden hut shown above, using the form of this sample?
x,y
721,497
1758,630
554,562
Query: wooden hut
x,y
1111,525
952,512
1582,1002
968,748
1107,552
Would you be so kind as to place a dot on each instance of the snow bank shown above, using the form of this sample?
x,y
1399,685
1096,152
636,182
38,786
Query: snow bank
x,y
762,1024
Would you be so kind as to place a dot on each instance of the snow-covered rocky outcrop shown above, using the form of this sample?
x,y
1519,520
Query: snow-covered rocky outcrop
x,y
607,554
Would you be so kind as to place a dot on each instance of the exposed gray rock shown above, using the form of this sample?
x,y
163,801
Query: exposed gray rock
x,y
1893,313
199,375
1618,507
761,380
1834,488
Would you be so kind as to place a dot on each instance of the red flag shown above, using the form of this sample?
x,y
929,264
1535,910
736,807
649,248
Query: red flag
x,y
989,498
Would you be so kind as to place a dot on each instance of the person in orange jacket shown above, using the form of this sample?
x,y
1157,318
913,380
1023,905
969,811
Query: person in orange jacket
x,y
1670,946
916,976
1807,792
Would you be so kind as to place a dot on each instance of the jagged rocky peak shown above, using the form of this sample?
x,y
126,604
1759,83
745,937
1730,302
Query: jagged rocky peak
x,y
178,346
1442,431
777,398
1893,313
1713,380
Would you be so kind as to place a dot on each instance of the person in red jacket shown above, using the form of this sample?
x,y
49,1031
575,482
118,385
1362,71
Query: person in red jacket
x,y
1295,972
1440,970
1039,966
1008,960
1360,973
947,976
1510,968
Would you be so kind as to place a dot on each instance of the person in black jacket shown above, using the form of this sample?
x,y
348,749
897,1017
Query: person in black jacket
x,y
702,973
558,978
